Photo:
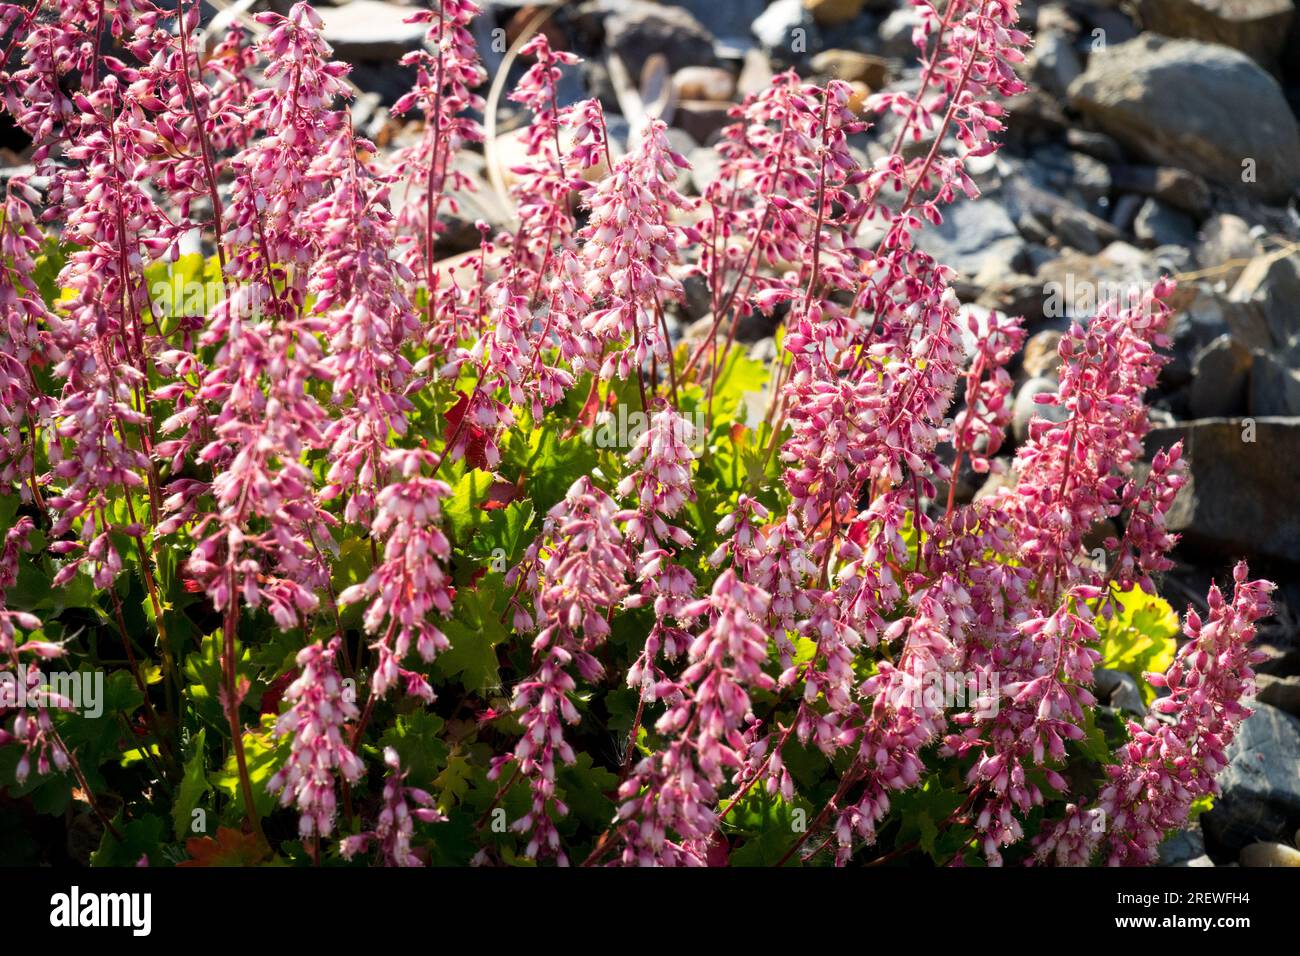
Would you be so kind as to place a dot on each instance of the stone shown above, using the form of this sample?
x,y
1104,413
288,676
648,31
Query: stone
x,y
829,13
1074,226
702,118
1120,690
755,73
971,233
1075,176
1257,28
728,20
1074,284
778,29
856,103
1203,107
1053,63
1270,286
1274,388
1224,240
705,165
852,66
1026,408
1033,118
1175,187
1269,854
1158,224
1097,145
1280,692
704,83
1260,799
637,29
370,30
1041,357
998,478
1015,294
1220,373
1278,662
1183,847
1243,482
896,33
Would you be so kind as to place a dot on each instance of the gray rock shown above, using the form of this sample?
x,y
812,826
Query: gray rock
x,y
896,33
1075,284
1260,797
1015,294
1274,388
729,21
1029,203
1257,28
1183,847
1097,145
1120,690
637,29
1220,373
1270,287
1053,64
970,235
1280,692
1077,176
1243,483
1078,230
1026,409
1042,358
1225,238
1269,854
783,26
1160,225
1115,24
1204,107
370,30
1176,187
705,165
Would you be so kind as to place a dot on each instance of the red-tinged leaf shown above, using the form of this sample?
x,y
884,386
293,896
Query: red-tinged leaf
x,y
274,693
230,848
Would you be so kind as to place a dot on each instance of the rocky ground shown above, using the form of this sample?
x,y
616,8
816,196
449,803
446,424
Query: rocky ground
x,y
1160,137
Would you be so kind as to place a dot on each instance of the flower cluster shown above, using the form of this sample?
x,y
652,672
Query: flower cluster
x,y
355,447
320,707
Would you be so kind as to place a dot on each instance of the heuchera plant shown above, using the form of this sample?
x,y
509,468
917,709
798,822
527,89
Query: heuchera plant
x,y
362,584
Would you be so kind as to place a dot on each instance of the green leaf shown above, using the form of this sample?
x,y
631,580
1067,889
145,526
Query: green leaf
x,y
463,511
922,811
421,750
264,754
1137,633
586,789
194,784
142,837
475,630
453,783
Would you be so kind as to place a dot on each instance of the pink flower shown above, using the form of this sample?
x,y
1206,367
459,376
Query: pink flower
x,y
411,583
1171,760
319,708
396,824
